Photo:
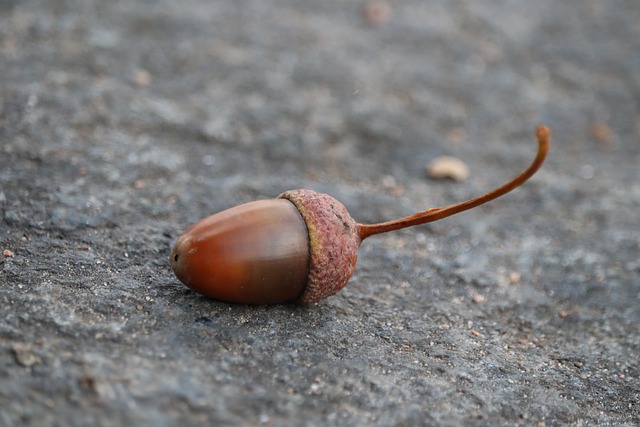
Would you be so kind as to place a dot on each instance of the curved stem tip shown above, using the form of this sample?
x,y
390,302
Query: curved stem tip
x,y
543,134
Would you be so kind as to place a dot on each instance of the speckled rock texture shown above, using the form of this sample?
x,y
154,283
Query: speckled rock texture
x,y
124,122
333,243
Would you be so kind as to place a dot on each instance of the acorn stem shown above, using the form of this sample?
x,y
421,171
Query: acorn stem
x,y
543,134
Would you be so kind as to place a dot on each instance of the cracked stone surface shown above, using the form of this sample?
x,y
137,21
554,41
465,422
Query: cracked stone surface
x,y
122,123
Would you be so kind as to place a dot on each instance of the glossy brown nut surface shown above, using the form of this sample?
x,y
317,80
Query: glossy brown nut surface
x,y
255,253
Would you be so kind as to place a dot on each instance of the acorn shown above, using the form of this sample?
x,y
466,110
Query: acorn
x,y
300,247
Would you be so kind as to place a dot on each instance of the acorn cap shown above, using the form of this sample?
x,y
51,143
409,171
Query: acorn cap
x,y
333,243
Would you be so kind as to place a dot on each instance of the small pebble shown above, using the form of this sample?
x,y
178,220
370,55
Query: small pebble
x,y
141,78
24,354
478,298
602,132
377,13
7,253
448,167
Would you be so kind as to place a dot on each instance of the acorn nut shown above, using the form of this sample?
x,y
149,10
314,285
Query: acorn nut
x,y
301,247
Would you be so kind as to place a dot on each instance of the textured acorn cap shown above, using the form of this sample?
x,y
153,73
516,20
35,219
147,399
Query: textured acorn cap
x,y
333,243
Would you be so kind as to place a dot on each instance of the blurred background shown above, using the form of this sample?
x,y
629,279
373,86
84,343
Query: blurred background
x,y
123,122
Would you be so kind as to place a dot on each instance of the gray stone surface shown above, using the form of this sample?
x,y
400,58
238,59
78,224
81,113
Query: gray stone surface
x,y
123,122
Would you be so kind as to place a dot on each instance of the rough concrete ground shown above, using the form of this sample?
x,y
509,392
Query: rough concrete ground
x,y
123,122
